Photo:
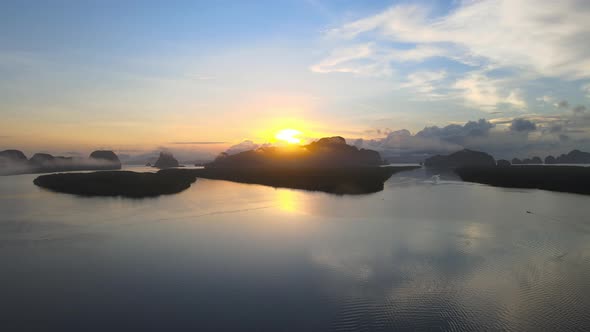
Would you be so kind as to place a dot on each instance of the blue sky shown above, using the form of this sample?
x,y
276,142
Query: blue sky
x,y
137,75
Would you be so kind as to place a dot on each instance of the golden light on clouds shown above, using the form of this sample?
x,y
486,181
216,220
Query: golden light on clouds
x,y
287,131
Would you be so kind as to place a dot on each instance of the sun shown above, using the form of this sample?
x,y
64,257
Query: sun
x,y
288,135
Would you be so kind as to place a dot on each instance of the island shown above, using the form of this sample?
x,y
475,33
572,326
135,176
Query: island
x,y
327,165
461,158
480,167
339,181
571,179
572,157
166,160
327,152
118,183
14,162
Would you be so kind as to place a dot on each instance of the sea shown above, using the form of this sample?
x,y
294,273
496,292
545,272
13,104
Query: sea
x,y
429,252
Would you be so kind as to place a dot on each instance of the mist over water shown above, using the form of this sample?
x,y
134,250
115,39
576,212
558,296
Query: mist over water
x,y
11,167
428,252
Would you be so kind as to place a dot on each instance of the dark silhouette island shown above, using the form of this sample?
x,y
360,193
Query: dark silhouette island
x,y
527,161
573,157
108,157
480,167
118,183
329,165
166,160
461,158
40,159
550,160
15,162
340,181
332,152
12,156
572,179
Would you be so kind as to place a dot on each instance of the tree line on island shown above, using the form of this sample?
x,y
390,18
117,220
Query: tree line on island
x,y
468,157
480,167
329,165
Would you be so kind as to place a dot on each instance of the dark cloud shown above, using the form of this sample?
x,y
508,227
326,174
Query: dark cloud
x,y
563,104
503,138
579,109
430,140
522,125
456,133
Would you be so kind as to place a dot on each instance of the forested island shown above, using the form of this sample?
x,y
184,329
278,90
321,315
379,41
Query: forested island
x,y
572,179
480,167
328,165
118,183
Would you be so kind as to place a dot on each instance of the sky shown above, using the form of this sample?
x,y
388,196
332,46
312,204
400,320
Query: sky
x,y
198,77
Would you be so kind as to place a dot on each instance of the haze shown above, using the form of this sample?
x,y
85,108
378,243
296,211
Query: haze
x,y
200,77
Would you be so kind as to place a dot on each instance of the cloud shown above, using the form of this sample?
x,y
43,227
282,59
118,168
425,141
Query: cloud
x,y
198,143
430,140
243,146
524,136
417,54
402,142
519,40
424,82
454,131
522,125
480,91
579,109
351,60
562,104
198,77
555,128
508,33
546,99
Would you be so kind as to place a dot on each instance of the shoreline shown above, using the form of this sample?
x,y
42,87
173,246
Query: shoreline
x,y
339,181
569,179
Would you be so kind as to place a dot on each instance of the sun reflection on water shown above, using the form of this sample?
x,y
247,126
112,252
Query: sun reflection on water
x,y
287,200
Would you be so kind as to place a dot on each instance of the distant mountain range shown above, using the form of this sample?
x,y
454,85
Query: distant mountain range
x,y
16,162
470,158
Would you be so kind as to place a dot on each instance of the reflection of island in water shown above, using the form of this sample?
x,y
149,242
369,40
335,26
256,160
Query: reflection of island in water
x,y
328,165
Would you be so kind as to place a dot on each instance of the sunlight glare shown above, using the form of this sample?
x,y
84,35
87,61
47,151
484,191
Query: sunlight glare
x,y
288,135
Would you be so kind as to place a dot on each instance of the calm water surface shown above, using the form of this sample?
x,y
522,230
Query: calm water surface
x,y
422,255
